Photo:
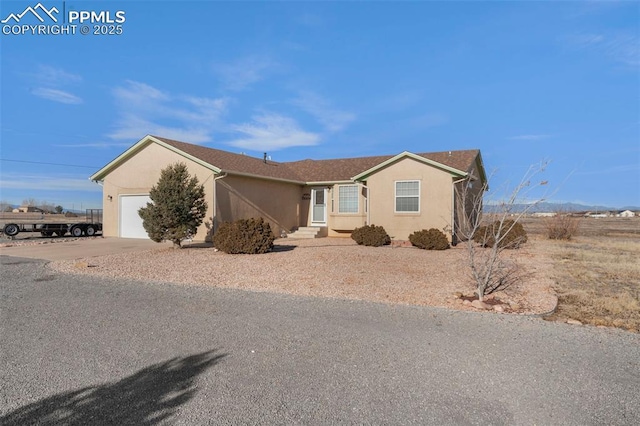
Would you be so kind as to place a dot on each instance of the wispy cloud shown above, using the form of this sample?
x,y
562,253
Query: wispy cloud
x,y
622,47
56,95
271,132
52,76
50,82
46,182
142,107
530,137
318,107
242,73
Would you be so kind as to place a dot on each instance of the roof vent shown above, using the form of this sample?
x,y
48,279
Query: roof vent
x,y
449,153
265,158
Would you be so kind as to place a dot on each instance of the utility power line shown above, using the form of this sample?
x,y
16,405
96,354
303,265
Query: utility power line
x,y
49,164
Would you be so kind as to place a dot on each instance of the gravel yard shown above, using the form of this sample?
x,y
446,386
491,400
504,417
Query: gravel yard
x,y
331,267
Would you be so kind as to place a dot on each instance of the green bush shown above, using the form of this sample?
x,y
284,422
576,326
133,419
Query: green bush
x,y
432,239
511,234
177,206
371,235
246,236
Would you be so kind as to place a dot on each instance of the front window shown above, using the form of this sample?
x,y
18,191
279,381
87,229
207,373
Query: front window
x,y
407,196
348,199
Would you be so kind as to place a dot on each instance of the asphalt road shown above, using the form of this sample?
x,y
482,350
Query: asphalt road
x,y
78,351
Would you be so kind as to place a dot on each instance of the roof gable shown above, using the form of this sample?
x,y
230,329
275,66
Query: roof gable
x,y
406,154
139,146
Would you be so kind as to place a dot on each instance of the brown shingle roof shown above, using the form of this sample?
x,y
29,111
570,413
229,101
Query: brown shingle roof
x,y
340,169
230,162
346,168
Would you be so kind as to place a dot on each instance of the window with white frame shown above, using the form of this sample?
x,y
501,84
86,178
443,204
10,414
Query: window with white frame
x,y
348,199
407,196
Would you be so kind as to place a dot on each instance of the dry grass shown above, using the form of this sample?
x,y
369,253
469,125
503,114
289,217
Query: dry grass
x,y
597,274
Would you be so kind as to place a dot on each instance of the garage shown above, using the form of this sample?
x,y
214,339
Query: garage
x,y
130,220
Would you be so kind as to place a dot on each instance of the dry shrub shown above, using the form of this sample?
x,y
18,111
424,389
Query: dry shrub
x,y
562,227
244,236
509,234
371,235
432,239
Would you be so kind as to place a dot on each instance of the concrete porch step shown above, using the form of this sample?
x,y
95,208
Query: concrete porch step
x,y
305,232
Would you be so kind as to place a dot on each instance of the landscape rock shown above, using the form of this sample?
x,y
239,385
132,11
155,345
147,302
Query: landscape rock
x,y
498,308
81,265
457,295
480,305
573,322
466,302
514,306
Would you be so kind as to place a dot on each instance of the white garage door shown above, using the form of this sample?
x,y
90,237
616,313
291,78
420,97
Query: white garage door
x,y
130,220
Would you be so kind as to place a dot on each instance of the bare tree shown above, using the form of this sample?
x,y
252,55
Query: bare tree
x,y
490,270
32,202
5,206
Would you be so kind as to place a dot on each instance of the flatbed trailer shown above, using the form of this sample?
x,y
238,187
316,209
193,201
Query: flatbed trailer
x,y
89,227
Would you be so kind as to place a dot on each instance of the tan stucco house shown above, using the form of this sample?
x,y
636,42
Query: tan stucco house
x,y
404,193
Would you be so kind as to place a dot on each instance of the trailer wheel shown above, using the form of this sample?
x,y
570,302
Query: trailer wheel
x,y
11,229
60,233
90,231
76,231
46,233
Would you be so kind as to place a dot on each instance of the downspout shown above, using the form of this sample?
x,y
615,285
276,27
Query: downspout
x,y
215,203
454,237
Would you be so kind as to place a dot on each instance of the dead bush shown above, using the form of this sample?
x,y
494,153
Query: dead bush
x,y
432,239
508,233
562,227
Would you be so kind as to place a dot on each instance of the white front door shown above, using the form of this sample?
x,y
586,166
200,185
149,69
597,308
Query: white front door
x,y
318,206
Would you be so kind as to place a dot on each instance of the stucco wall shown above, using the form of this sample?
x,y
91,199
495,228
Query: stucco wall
x,y
435,199
241,197
136,177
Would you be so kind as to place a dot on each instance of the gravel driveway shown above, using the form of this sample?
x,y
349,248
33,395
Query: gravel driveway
x,y
90,350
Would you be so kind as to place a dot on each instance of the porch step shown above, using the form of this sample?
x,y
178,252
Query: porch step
x,y
305,232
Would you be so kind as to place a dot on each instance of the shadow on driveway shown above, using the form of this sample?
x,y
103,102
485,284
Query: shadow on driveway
x,y
148,397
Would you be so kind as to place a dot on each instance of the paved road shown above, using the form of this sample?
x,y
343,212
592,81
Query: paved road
x,y
97,351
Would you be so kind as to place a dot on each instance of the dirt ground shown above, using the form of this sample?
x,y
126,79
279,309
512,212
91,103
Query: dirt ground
x,y
335,267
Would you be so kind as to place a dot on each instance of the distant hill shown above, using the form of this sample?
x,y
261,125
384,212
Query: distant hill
x,y
554,207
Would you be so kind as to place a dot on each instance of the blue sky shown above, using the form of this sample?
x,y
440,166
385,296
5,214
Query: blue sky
x,y
522,81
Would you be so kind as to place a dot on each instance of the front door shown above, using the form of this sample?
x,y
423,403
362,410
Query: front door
x,y
318,206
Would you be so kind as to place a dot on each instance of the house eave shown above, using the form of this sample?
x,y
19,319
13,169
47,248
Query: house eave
x,y
329,182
